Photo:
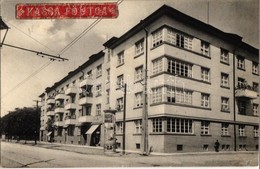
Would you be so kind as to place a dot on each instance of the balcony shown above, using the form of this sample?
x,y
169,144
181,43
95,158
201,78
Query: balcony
x,y
70,106
60,96
50,112
71,91
243,90
90,119
86,82
50,101
59,109
70,120
85,99
59,123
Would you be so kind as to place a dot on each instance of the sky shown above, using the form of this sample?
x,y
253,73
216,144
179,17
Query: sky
x,y
23,80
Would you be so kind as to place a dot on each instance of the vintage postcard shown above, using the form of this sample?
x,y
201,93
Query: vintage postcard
x,y
129,83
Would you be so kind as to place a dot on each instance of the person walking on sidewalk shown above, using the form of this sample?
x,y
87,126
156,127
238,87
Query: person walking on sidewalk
x,y
217,146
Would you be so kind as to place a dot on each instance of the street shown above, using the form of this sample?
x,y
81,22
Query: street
x,y
20,155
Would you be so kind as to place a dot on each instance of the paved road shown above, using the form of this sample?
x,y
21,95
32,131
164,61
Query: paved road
x,y
18,155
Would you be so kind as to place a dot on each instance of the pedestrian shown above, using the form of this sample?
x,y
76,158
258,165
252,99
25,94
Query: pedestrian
x,y
217,146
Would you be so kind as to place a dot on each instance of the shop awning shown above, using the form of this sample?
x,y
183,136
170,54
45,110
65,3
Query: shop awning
x,y
48,134
92,129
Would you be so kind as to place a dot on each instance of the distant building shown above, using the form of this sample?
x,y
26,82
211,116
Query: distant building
x,y
202,87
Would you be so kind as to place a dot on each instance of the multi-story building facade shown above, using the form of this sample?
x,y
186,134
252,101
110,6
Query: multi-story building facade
x,y
71,111
202,86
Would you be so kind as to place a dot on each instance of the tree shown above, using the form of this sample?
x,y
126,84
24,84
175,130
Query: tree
x,y
22,122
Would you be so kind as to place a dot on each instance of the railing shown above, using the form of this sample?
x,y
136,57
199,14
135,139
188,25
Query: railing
x,y
70,117
85,94
59,106
246,86
50,109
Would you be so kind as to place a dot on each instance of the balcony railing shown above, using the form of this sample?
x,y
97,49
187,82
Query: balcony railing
x,y
70,106
86,99
85,94
59,109
86,82
50,111
72,90
246,91
50,100
60,96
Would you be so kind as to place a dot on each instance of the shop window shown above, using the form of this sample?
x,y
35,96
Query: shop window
x,y
179,147
137,145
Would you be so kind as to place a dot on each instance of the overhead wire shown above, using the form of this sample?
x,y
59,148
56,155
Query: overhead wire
x,y
92,25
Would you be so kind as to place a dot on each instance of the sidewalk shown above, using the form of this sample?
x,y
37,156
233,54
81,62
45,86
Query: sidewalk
x,y
82,149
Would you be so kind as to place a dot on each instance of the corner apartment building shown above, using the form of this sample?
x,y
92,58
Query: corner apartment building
x,y
202,86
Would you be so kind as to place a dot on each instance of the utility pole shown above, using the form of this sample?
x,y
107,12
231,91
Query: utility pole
x,y
145,149
35,132
124,114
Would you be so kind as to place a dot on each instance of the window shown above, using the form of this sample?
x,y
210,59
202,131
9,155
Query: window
x,y
157,95
119,128
178,39
59,132
225,147
205,147
204,48
120,81
98,90
179,147
224,57
175,125
89,74
137,146
255,68
240,62
224,80
157,38
175,95
241,82
108,55
157,125
205,74
179,68
205,100
99,70
108,75
139,73
107,96
138,99
255,86
224,104
241,130
255,109
241,107
256,131
71,129
120,104
98,109
120,58
157,66
138,126
205,127
224,129
139,47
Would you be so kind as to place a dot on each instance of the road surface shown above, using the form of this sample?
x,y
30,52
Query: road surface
x,y
19,155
